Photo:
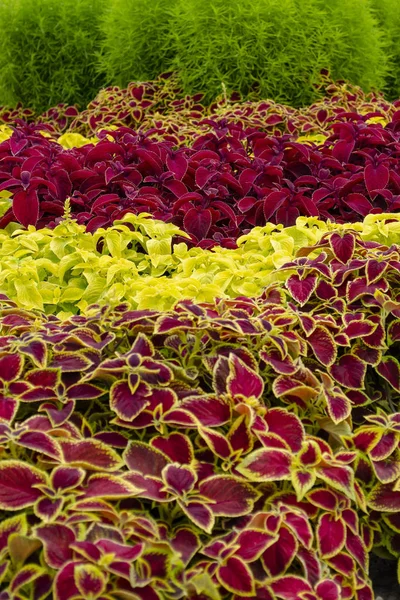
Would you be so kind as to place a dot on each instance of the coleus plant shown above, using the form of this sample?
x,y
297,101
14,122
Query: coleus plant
x,y
216,189
241,448
63,270
160,105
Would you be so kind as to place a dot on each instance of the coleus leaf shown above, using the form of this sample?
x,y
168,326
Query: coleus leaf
x,y
323,345
243,381
349,371
18,484
342,246
301,289
384,498
331,535
229,496
389,369
236,577
266,464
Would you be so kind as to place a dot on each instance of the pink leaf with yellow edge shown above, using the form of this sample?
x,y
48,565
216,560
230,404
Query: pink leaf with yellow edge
x,y
385,446
357,288
340,478
11,366
300,526
70,362
343,563
121,551
84,391
331,535
211,411
338,405
9,526
328,590
356,548
342,246
349,371
323,345
387,470
375,269
236,577
290,587
18,484
179,479
273,357
40,442
302,482
216,442
8,408
66,478
389,369
278,557
64,583
359,329
243,381
109,486
384,498
323,498
128,403
266,464
144,459
24,577
228,495
252,543
90,454
186,543
199,513
176,446
287,426
57,539
89,580
301,289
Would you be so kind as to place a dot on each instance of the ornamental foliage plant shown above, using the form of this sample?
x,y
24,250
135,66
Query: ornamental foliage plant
x,y
136,44
216,189
387,14
275,48
159,106
63,270
48,52
241,448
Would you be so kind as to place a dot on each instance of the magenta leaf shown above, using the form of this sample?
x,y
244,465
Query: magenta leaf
x,y
301,289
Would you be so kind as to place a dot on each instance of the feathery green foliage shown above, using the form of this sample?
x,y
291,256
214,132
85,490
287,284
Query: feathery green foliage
x,y
48,52
360,52
388,14
137,36
277,46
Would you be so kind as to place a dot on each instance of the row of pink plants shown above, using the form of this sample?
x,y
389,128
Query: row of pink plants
x,y
247,448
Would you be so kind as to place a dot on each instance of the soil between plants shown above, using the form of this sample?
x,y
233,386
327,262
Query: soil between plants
x,y
384,578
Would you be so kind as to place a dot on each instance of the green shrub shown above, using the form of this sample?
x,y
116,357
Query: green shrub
x,y
137,36
388,15
360,52
48,52
280,44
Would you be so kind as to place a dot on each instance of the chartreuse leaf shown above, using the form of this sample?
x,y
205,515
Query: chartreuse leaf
x,y
65,269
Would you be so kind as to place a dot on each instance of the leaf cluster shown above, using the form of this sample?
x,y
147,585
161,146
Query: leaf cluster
x,y
48,52
216,189
240,448
63,270
159,106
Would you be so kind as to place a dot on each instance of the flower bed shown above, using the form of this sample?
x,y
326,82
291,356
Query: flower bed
x,y
199,362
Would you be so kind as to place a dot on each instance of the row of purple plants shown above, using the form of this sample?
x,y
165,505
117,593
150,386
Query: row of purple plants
x,y
216,189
